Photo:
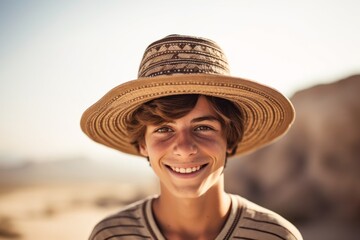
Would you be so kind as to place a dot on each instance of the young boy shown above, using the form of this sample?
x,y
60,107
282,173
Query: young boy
x,y
186,115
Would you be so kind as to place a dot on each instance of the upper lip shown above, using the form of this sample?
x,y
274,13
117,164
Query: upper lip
x,y
185,166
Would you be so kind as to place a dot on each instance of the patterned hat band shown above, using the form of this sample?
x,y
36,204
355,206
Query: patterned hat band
x,y
176,54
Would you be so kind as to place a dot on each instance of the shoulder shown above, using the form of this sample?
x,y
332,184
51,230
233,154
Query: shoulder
x,y
126,223
261,223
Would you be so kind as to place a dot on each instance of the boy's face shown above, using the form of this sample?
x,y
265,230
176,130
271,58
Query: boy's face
x,y
187,154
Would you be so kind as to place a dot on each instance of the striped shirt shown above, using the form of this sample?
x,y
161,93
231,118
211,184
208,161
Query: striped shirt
x,y
246,221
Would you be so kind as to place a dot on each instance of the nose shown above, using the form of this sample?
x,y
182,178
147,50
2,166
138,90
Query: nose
x,y
185,145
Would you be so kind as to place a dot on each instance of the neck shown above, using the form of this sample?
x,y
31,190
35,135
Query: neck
x,y
201,217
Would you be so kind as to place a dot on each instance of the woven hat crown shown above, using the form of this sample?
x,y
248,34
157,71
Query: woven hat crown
x,y
177,54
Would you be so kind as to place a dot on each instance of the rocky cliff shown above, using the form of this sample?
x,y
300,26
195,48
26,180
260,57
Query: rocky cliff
x,y
314,171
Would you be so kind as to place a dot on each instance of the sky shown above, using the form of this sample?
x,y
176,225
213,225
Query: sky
x,y
59,57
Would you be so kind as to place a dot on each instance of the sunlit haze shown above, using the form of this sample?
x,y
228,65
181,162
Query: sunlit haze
x,y
59,57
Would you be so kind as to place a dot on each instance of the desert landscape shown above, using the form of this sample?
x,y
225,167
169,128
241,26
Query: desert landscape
x,y
311,176
60,212
64,199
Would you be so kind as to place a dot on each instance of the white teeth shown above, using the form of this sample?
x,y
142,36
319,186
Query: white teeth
x,y
186,170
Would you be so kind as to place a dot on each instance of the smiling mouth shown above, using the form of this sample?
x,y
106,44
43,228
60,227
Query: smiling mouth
x,y
186,170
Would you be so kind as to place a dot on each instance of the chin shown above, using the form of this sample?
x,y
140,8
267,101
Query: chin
x,y
188,192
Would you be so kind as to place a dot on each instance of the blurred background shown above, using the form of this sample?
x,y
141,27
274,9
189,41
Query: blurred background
x,y
59,57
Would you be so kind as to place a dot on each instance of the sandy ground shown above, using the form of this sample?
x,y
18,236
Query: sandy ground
x,y
70,211
61,211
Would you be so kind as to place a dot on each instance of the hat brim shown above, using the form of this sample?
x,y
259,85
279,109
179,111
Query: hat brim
x,y
268,113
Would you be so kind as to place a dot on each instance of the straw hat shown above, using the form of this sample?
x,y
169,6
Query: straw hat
x,y
180,64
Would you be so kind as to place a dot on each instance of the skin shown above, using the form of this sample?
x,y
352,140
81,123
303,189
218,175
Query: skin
x,y
191,205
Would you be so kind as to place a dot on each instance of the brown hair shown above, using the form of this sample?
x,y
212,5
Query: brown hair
x,y
167,108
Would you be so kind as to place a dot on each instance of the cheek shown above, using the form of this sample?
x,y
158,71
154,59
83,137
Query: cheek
x,y
156,148
215,144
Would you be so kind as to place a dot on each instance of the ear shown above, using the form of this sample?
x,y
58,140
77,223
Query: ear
x,y
143,150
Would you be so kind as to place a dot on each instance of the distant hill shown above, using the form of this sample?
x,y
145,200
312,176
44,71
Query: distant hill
x,y
72,170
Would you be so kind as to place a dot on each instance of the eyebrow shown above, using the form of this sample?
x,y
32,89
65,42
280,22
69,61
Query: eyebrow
x,y
205,118
195,120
